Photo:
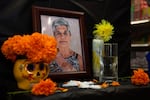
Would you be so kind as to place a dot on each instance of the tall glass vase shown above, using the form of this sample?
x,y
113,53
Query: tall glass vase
x,y
97,61
109,70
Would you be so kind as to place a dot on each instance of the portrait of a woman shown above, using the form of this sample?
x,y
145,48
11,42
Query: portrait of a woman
x,y
66,59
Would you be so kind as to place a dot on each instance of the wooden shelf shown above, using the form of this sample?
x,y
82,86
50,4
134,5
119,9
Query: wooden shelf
x,y
140,47
139,21
142,28
140,35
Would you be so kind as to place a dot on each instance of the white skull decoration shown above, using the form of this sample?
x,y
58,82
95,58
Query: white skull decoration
x,y
27,73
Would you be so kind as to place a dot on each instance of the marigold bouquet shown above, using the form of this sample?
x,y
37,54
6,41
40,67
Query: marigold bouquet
x,y
140,77
44,87
36,47
103,30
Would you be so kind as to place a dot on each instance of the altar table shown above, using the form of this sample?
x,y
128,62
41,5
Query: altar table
x,y
126,89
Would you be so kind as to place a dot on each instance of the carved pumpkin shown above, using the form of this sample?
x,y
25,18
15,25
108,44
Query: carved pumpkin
x,y
27,73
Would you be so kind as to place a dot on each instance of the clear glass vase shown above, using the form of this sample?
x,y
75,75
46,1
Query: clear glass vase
x,y
109,69
97,61
105,61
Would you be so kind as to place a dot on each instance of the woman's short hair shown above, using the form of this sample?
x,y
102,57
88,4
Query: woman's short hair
x,y
60,21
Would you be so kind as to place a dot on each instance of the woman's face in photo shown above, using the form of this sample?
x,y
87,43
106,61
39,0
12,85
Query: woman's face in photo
x,y
62,36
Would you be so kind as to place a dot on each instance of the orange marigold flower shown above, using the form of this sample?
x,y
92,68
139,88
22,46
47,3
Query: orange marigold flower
x,y
36,47
13,47
44,87
140,77
42,48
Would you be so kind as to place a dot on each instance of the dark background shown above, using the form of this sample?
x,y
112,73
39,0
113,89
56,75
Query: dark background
x,y
16,18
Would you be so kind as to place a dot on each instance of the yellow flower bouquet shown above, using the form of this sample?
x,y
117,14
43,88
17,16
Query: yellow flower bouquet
x,y
103,30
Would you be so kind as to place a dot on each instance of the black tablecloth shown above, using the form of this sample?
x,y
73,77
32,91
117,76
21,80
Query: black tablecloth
x,y
126,89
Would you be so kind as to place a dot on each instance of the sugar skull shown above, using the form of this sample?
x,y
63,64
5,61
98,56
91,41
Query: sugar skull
x,y
27,73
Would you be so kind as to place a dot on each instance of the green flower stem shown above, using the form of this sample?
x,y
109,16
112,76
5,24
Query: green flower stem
x,y
18,92
125,77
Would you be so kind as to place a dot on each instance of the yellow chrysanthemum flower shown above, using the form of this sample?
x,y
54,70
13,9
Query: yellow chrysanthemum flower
x,y
103,30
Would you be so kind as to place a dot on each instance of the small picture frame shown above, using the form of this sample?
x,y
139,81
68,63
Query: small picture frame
x,y
43,19
139,60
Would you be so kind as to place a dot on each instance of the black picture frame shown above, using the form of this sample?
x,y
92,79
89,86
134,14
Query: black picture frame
x,y
38,11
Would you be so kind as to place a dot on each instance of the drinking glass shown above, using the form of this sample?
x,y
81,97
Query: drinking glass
x,y
109,70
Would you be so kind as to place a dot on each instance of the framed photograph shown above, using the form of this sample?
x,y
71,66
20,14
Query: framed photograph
x,y
139,60
69,30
